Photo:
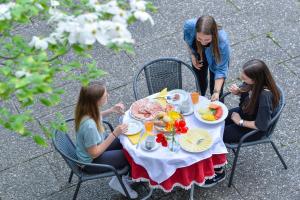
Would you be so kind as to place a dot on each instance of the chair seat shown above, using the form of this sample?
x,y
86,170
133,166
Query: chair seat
x,y
88,176
263,139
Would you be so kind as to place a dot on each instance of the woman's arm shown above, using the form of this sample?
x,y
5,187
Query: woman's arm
x,y
236,118
118,108
97,150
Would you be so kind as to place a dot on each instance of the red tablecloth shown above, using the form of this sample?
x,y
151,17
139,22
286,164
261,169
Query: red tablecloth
x,y
183,177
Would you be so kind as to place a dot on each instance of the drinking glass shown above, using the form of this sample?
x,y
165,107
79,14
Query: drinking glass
x,y
148,126
195,97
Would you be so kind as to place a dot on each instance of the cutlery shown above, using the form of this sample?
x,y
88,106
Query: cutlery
x,y
199,141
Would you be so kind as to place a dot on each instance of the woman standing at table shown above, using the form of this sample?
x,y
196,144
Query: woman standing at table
x,y
209,49
93,143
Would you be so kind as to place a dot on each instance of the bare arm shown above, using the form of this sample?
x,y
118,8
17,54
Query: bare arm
x,y
248,124
97,150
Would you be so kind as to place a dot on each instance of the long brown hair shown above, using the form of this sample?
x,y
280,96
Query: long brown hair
x,y
208,26
87,104
258,71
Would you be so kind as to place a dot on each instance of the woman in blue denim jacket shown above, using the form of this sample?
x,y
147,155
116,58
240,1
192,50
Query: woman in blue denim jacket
x,y
209,48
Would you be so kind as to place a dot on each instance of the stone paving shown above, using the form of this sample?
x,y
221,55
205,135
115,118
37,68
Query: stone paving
x,y
31,172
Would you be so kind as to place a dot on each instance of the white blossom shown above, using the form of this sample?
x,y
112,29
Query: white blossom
x,y
5,10
54,3
38,43
143,16
138,5
22,73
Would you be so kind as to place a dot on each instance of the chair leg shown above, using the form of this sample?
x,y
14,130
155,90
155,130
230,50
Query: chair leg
x,y
278,154
233,151
233,166
77,189
70,177
123,186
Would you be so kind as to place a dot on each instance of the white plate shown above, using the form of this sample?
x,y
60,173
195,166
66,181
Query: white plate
x,y
156,146
134,127
201,105
183,96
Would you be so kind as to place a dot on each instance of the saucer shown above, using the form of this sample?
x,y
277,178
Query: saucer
x,y
156,146
191,111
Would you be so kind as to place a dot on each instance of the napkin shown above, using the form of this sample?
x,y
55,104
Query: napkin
x,y
134,139
161,97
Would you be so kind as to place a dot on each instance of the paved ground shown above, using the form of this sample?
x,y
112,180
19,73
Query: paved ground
x,y
31,172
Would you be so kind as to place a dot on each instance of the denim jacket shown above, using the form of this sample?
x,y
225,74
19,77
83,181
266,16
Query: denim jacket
x,y
219,69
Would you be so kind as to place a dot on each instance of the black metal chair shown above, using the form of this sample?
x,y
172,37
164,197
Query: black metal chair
x,y
163,73
235,147
64,145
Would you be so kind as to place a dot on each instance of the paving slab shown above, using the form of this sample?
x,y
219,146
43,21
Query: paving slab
x,y
16,149
29,180
294,65
266,15
287,36
179,12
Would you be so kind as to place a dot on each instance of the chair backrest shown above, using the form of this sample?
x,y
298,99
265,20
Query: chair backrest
x,y
64,145
163,73
277,112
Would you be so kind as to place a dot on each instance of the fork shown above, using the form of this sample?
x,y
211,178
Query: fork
x,y
199,141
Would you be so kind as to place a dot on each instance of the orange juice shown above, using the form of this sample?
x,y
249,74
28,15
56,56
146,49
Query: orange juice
x,y
195,97
148,126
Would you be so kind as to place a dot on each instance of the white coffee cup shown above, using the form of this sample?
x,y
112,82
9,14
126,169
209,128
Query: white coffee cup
x,y
150,142
185,106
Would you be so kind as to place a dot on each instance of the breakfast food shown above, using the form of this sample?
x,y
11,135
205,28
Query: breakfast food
x,y
144,109
211,113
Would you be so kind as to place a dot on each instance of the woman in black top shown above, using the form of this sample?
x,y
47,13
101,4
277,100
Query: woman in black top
x,y
259,96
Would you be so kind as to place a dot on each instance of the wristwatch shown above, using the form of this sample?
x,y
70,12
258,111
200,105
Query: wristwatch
x,y
241,122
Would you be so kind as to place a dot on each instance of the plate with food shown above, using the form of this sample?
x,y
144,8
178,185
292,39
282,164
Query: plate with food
x,y
177,96
196,140
134,127
145,109
211,113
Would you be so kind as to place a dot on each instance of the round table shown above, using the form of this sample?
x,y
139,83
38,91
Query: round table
x,y
165,169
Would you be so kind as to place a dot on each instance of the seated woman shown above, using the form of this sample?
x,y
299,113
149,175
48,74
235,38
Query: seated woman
x,y
259,97
93,144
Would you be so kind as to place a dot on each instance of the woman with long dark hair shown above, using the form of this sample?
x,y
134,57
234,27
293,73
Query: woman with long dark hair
x,y
209,48
93,143
259,97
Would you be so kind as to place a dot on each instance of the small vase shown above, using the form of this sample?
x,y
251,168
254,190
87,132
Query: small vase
x,y
173,143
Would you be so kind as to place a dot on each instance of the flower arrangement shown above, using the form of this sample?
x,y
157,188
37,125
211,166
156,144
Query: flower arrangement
x,y
176,125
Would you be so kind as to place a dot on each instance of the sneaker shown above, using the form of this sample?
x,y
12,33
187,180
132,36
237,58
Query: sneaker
x,y
217,179
115,185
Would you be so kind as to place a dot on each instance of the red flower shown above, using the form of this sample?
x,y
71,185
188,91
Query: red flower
x,y
160,138
180,126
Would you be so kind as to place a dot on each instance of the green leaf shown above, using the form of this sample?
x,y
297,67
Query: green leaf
x,y
40,140
45,102
151,7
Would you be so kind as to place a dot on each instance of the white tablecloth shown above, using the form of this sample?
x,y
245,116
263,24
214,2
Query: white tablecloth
x,y
162,163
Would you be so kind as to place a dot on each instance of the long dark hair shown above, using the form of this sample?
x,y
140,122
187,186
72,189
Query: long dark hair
x,y
208,26
87,104
258,71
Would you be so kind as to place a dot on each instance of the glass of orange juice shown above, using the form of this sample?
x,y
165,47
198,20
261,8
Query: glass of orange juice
x,y
148,126
195,97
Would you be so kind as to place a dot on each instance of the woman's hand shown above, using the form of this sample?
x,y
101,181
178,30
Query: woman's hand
x,y
235,117
121,129
234,89
119,108
196,64
215,96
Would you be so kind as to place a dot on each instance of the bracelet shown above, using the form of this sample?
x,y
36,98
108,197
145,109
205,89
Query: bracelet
x,y
114,134
216,91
